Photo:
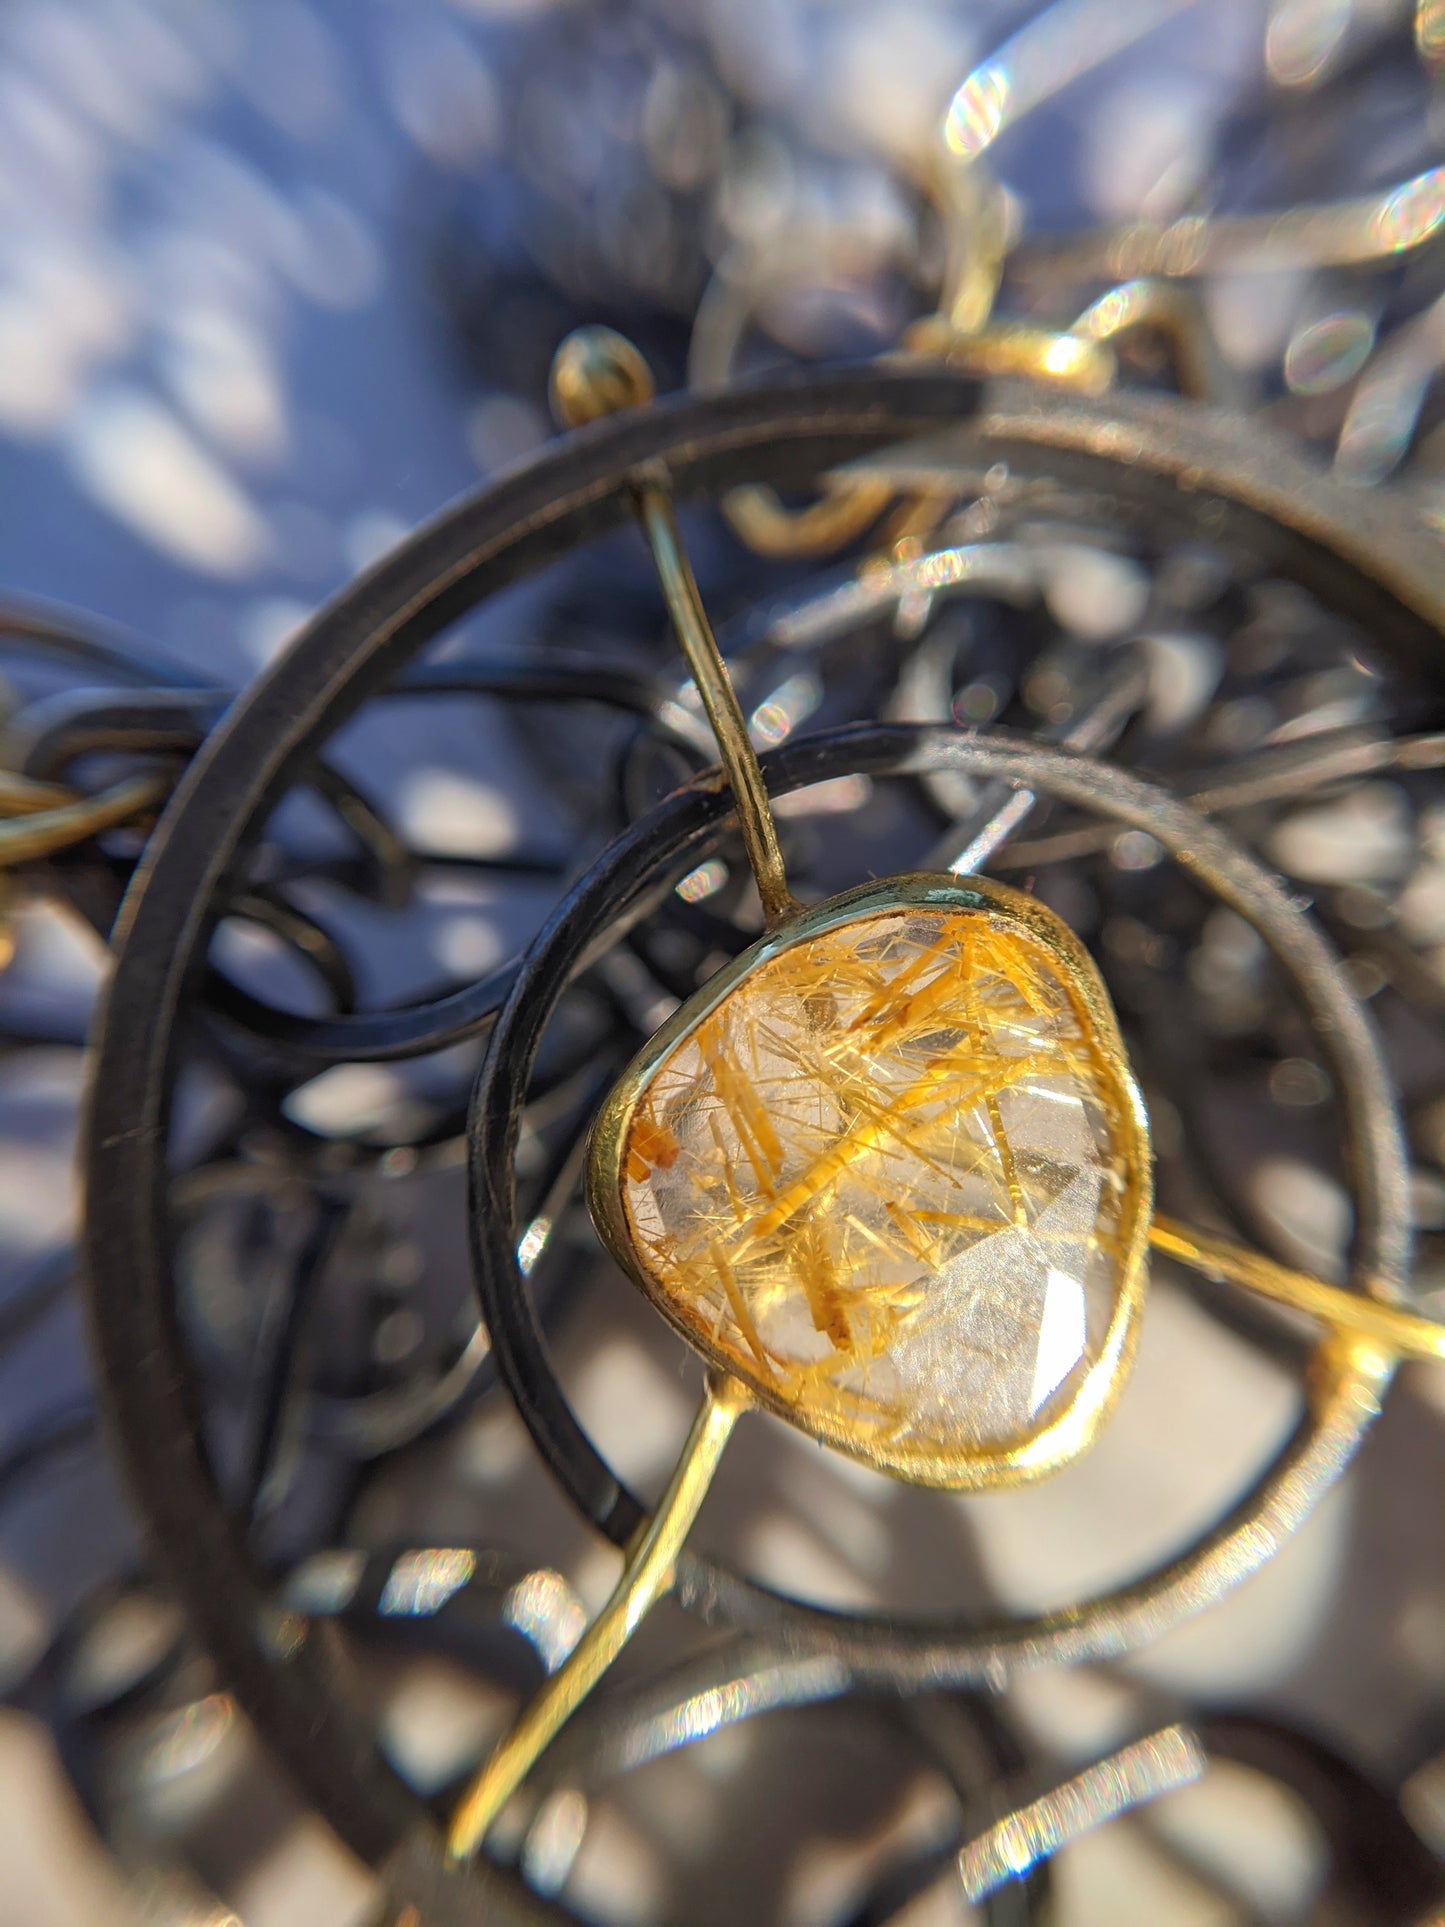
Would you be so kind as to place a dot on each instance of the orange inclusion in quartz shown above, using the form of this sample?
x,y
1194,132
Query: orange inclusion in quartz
x,y
886,1181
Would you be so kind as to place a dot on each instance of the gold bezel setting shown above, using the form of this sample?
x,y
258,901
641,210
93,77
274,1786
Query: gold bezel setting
x,y
1071,1429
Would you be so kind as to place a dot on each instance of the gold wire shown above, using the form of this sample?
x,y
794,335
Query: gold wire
x,y
1173,313
1079,363
975,221
647,1574
38,819
1370,230
838,517
1405,1333
719,699
977,239
46,831
596,372
974,217
588,370
23,796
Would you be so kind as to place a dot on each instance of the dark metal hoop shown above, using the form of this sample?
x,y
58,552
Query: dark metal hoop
x,y
670,840
1266,505
286,1674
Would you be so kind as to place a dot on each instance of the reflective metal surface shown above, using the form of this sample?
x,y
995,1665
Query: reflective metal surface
x,y
274,284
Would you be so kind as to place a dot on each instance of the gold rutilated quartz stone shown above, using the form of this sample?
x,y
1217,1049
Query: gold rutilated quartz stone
x,y
890,1169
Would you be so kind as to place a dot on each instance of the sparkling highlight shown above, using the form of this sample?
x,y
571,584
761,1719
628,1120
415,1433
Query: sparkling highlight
x,y
1162,1763
421,1583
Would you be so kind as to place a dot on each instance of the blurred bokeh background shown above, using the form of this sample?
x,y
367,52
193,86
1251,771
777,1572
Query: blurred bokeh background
x,y
279,279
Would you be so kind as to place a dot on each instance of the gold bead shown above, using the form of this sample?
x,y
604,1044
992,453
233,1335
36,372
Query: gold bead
x,y
596,372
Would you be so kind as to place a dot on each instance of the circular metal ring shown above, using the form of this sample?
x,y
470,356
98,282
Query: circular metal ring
x,y
673,839
287,1675
1143,458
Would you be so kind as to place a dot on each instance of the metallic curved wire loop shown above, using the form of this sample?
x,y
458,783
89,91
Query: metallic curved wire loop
x,y
39,818
292,1687
1368,230
1161,466
961,1736
51,733
366,1425
756,510
964,1739
1252,492
1173,314
975,218
1281,770
345,1035
370,1037
1349,1375
1159,1762
1148,261
49,629
652,1555
48,831
301,933
1050,52
840,516
1080,363
72,1700
23,796
1404,1333
1381,1873
788,432
1044,56
847,509
1389,397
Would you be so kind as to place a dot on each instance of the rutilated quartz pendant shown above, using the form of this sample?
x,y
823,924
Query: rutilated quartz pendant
x,y
890,1169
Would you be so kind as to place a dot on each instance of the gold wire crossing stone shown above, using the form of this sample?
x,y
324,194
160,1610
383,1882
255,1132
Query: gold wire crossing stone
x,y
894,1177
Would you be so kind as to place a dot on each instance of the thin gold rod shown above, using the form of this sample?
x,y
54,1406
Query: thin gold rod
x,y
1372,228
839,516
1403,1332
1162,1762
596,372
23,796
646,1576
975,237
719,699
1170,310
41,834
1063,359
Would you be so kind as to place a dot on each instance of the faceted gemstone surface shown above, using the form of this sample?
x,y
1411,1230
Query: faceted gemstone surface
x,y
885,1181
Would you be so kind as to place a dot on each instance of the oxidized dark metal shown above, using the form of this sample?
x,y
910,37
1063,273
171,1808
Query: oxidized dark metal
x,y
1380,1871
285,1674
620,888
1148,461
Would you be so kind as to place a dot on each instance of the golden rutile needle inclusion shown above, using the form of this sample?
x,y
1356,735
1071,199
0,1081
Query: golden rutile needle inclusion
x,y
895,1180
